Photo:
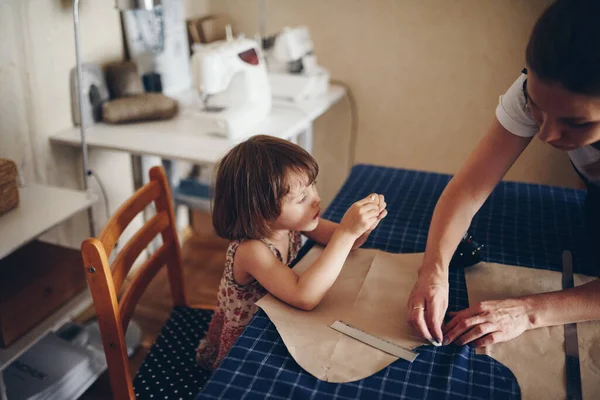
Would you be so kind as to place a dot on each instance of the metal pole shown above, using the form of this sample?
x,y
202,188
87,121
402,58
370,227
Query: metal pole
x,y
84,148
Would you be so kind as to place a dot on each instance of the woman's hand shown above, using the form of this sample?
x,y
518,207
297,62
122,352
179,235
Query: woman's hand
x,y
489,322
427,305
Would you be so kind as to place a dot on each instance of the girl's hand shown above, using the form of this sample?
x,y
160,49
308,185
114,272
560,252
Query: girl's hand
x,y
362,216
382,214
380,201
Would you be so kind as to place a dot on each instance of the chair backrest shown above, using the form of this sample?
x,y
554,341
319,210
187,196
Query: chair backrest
x,y
105,280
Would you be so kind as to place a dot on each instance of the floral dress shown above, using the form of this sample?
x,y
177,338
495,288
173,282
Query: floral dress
x,y
236,306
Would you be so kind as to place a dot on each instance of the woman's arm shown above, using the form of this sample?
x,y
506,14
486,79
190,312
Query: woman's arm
x,y
500,320
467,191
462,198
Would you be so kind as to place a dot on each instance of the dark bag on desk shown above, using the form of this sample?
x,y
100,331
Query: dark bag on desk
x,y
35,281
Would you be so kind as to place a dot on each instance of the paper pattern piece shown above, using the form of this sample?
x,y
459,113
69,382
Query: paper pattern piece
x,y
371,294
537,357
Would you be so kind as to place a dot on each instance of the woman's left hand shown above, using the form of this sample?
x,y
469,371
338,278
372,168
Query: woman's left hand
x,y
488,322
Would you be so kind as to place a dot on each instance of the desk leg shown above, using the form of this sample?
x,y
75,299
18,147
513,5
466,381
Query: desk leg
x,y
182,220
305,139
2,387
140,167
136,172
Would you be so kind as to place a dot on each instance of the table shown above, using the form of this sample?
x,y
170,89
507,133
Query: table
x,y
182,138
520,224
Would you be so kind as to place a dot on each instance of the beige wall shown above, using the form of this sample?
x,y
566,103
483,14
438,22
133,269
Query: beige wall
x,y
426,76
37,52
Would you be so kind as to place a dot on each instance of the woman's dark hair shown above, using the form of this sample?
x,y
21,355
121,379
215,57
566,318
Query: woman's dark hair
x,y
251,182
564,46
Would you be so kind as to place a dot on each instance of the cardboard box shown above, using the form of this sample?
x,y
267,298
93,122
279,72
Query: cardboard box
x,y
35,281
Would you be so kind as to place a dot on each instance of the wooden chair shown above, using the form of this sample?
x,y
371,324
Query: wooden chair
x,y
170,365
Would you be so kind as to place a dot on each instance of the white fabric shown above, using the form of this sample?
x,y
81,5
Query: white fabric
x,y
513,114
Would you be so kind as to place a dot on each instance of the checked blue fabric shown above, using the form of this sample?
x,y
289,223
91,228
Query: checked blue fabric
x,y
520,224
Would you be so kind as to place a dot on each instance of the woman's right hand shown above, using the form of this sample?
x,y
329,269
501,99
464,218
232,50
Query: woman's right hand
x,y
427,305
361,216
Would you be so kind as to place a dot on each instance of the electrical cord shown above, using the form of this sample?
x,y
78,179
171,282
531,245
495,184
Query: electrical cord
x,y
353,122
353,118
104,194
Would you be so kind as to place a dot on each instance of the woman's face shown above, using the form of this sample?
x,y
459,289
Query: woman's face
x,y
567,120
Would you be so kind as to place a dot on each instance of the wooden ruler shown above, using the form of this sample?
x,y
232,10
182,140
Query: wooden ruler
x,y
374,341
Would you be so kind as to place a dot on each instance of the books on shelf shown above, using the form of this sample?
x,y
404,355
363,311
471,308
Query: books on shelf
x,y
53,369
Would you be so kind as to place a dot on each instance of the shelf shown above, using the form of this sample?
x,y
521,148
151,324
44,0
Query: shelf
x,y
40,208
66,313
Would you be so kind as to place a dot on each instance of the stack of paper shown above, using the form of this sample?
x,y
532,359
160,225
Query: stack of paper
x,y
53,369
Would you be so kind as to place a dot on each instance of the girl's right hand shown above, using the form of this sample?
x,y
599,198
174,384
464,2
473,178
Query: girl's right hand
x,y
362,215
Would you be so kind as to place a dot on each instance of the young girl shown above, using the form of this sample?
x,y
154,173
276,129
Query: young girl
x,y
265,196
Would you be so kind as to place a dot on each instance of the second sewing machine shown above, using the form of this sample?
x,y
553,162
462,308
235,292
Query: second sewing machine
x,y
237,84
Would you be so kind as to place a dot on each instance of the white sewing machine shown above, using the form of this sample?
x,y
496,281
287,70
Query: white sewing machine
x,y
293,71
232,78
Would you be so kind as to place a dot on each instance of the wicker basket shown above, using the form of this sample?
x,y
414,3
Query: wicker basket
x,y
9,190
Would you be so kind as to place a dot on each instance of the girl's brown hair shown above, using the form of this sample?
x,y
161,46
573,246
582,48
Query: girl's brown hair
x,y
251,182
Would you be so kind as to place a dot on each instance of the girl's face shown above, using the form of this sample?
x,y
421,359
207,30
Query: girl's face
x,y
301,207
567,120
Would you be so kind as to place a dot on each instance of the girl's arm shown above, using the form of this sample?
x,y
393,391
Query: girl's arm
x,y
323,232
307,290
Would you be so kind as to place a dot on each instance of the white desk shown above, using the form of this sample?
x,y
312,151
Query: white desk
x,y
40,208
181,138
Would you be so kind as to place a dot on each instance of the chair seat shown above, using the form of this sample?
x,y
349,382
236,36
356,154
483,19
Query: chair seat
x,y
170,370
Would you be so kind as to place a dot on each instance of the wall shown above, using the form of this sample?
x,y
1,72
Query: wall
x,y
36,55
426,76
37,51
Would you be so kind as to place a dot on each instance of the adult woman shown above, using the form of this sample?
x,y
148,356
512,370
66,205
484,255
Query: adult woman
x,y
557,99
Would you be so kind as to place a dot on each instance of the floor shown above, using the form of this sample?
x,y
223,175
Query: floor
x,y
203,262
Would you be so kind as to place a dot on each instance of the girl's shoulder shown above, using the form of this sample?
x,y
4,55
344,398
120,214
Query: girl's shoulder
x,y
252,251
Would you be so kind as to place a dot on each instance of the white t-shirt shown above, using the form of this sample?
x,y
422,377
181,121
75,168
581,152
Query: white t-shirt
x,y
513,113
